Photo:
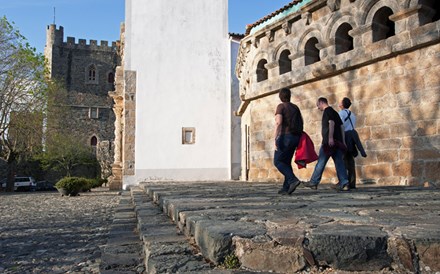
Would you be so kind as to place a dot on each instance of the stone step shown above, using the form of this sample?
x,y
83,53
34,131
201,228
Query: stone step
x,y
370,229
166,249
122,253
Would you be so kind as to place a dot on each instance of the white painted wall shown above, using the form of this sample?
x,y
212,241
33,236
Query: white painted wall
x,y
235,120
180,52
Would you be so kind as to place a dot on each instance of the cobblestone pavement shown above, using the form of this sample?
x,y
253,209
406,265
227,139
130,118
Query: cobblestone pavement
x,y
43,232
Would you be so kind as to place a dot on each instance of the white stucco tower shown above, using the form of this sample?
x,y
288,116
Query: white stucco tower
x,y
177,66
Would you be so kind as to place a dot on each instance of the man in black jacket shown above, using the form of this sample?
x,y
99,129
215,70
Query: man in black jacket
x,y
333,145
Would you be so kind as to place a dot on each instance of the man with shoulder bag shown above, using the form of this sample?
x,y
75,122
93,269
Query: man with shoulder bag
x,y
352,140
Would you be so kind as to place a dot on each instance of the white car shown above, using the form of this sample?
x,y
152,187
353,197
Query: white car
x,y
22,184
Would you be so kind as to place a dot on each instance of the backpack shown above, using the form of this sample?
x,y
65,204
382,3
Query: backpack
x,y
296,124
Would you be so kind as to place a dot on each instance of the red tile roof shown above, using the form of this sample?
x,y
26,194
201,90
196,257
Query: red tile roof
x,y
267,17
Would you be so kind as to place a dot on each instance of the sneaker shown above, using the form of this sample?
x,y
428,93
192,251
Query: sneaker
x,y
292,187
310,185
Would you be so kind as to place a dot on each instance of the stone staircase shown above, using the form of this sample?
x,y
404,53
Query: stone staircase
x,y
198,227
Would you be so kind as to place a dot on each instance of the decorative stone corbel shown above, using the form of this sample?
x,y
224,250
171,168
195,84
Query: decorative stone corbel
x,y
270,35
256,42
307,17
286,27
334,5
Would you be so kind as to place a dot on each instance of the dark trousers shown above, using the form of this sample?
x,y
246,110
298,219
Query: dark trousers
x,y
287,144
351,169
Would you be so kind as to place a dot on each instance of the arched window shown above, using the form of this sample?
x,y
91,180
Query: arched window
x,y
261,71
111,78
94,144
311,52
430,11
94,141
92,73
285,63
383,27
344,42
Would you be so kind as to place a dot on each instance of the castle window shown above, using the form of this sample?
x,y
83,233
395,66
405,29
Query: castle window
x,y
94,141
262,71
188,135
344,42
94,144
91,74
111,78
383,27
285,63
429,12
93,113
311,52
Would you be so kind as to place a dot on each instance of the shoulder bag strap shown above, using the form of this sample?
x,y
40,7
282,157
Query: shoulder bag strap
x,y
348,117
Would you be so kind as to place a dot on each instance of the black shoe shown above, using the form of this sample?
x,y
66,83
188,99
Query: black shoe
x,y
292,187
310,185
282,191
340,187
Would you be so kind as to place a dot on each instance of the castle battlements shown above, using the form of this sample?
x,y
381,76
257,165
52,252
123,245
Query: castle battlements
x,y
56,37
92,45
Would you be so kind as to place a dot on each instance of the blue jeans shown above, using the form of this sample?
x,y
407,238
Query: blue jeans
x,y
337,157
287,144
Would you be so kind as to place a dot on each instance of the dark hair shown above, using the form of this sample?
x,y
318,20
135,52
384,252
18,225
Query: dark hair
x,y
285,95
346,103
323,100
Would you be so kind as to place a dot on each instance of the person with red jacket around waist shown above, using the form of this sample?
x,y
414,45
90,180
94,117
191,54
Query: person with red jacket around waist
x,y
288,129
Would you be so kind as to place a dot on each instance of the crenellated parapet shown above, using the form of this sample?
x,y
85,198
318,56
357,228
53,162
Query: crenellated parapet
x,y
92,45
55,36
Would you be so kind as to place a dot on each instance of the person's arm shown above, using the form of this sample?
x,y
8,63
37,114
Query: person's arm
x,y
331,131
343,134
278,123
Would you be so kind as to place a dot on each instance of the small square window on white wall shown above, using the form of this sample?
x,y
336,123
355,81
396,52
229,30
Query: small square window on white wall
x,y
188,135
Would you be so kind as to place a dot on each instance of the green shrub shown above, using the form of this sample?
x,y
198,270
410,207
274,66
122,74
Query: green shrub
x,y
72,185
231,262
98,182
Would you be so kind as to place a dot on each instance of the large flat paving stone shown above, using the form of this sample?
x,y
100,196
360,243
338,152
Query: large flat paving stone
x,y
368,229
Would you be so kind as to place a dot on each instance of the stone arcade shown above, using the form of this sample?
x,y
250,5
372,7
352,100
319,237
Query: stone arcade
x,y
384,55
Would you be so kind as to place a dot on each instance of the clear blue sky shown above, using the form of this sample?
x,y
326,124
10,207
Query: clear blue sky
x,y
100,19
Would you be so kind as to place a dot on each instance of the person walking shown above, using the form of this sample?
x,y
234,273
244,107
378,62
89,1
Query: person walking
x,y
351,139
288,129
333,145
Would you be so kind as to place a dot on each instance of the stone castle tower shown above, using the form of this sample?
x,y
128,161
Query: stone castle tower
x,y
87,72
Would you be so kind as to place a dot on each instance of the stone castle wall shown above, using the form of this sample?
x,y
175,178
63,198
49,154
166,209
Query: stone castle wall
x,y
89,104
393,82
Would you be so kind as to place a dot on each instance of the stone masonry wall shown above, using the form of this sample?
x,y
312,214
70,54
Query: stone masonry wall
x,y
394,85
89,104
397,106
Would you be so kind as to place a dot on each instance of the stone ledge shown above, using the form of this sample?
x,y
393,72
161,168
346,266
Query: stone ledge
x,y
353,231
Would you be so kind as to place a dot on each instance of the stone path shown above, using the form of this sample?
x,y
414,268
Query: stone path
x,y
208,227
369,230
43,232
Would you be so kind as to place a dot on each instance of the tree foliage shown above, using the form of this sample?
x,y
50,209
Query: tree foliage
x,y
22,96
65,152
